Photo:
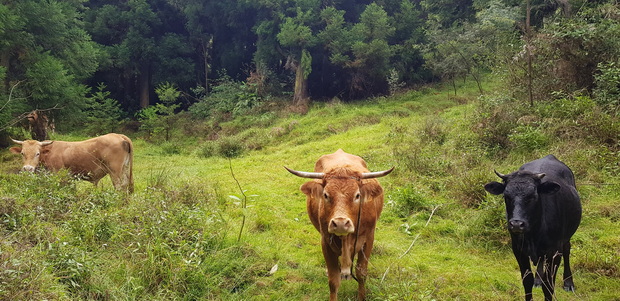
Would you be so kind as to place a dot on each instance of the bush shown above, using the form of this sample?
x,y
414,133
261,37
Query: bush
x,y
102,113
528,138
408,200
228,98
607,91
227,147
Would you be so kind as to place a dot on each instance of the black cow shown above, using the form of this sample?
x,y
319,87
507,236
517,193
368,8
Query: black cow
x,y
543,211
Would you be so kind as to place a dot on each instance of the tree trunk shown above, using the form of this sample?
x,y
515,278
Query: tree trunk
x,y
206,49
300,96
144,81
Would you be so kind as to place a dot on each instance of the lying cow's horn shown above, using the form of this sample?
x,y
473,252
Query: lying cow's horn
x,y
44,143
539,176
304,174
503,176
17,141
376,174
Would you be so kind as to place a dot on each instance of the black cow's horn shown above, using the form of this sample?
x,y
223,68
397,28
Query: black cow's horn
x,y
376,174
304,174
17,141
539,176
503,176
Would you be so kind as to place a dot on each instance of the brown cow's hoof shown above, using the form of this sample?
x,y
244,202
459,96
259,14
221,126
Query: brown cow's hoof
x,y
346,276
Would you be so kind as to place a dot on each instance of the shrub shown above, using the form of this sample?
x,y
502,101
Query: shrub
x,y
607,91
528,138
228,98
407,200
231,147
102,113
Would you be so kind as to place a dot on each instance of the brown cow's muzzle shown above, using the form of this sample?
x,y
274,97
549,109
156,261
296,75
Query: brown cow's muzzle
x,y
28,168
341,226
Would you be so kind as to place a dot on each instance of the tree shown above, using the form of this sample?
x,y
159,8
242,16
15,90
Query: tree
x,y
362,48
297,37
44,40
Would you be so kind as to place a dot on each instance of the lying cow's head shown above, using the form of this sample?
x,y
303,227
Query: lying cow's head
x,y
31,151
522,190
340,192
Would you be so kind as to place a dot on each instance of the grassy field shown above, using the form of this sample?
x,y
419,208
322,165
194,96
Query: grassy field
x,y
180,235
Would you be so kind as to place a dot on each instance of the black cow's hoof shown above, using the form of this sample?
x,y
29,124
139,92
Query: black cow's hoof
x,y
569,288
537,282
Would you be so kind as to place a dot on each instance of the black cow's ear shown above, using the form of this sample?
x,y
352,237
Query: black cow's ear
x,y
495,188
548,187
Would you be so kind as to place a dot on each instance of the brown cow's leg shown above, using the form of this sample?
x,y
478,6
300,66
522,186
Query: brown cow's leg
x,y
333,270
361,269
346,257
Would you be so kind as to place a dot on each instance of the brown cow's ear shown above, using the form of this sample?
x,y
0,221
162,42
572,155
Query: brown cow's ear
x,y
16,150
312,188
371,189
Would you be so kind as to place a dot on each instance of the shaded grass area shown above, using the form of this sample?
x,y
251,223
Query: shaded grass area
x,y
441,237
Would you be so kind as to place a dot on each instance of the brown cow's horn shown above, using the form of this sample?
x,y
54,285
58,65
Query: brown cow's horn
x,y
304,174
503,176
376,174
44,143
17,141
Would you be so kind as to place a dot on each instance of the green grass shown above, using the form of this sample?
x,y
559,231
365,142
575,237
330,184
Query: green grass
x,y
176,237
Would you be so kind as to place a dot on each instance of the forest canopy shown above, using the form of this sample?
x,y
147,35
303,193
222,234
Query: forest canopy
x,y
104,61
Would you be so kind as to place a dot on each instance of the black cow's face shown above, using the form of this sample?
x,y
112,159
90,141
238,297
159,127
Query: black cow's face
x,y
522,192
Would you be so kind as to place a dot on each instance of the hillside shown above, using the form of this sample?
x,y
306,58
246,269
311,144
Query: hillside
x,y
441,237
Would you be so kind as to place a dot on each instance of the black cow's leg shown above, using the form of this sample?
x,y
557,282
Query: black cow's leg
x,y
569,285
552,263
540,271
527,277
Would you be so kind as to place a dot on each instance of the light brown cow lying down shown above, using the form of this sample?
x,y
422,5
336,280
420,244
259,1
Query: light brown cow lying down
x,y
91,159
342,187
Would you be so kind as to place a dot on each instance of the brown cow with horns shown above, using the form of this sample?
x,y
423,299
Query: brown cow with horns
x,y
344,203
90,160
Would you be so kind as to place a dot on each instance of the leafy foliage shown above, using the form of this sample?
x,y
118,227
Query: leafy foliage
x,y
228,98
103,114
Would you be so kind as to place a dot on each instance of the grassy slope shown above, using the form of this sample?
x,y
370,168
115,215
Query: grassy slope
x,y
443,260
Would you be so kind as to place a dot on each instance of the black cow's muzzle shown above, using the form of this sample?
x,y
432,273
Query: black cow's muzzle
x,y
516,226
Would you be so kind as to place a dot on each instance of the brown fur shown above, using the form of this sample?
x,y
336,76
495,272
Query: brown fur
x,y
91,159
342,183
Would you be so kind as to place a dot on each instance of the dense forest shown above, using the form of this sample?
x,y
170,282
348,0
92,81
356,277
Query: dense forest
x,y
111,62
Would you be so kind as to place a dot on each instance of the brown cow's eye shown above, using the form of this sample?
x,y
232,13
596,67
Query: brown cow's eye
x,y
326,196
358,196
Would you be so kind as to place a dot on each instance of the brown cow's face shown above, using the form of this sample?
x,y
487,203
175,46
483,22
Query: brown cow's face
x,y
341,204
31,152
